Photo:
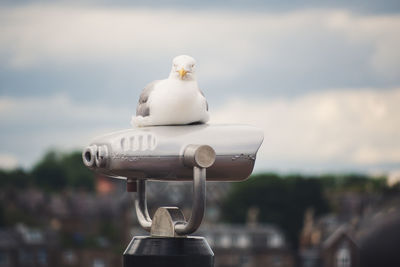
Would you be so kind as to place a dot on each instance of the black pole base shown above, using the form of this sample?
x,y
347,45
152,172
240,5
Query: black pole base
x,y
164,252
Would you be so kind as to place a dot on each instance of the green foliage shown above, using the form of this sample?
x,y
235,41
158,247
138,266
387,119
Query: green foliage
x,y
57,171
13,215
2,217
109,231
280,200
15,178
353,183
50,173
54,172
78,175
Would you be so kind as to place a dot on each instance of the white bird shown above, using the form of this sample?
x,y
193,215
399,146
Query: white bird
x,y
173,101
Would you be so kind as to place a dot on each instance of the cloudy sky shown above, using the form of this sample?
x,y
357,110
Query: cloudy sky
x,y
321,79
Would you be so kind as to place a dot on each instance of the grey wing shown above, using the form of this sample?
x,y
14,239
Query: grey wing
x,y
143,108
201,92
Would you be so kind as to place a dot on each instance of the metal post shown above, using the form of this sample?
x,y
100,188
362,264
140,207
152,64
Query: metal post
x,y
168,244
150,251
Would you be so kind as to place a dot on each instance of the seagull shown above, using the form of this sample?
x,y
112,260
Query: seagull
x,y
176,100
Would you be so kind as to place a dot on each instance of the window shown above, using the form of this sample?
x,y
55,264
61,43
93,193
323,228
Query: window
x,y
225,241
275,241
4,259
260,240
243,241
25,257
42,257
343,256
69,257
98,263
244,259
277,261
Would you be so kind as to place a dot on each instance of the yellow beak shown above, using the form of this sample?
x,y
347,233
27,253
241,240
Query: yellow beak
x,y
182,73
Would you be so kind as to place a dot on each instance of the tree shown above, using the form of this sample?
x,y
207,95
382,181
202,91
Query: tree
x,y
50,173
78,175
54,172
17,178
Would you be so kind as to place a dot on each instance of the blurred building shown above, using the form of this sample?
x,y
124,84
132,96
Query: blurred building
x,y
247,246
369,239
70,228
28,247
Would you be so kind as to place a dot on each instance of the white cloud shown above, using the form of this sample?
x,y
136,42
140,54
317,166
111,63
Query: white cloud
x,y
227,42
393,178
342,128
380,32
8,162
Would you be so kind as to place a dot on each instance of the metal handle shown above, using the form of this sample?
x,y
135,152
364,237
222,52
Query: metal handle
x,y
199,203
199,157
142,212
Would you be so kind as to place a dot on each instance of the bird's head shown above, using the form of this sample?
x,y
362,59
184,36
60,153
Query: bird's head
x,y
183,68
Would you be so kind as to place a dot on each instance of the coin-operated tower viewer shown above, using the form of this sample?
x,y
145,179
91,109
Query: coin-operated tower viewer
x,y
170,141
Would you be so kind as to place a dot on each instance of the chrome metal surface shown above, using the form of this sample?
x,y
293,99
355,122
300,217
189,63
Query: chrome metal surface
x,y
101,156
176,153
164,221
156,153
141,206
198,206
89,156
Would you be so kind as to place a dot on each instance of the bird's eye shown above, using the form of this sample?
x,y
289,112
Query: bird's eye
x,y
192,65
